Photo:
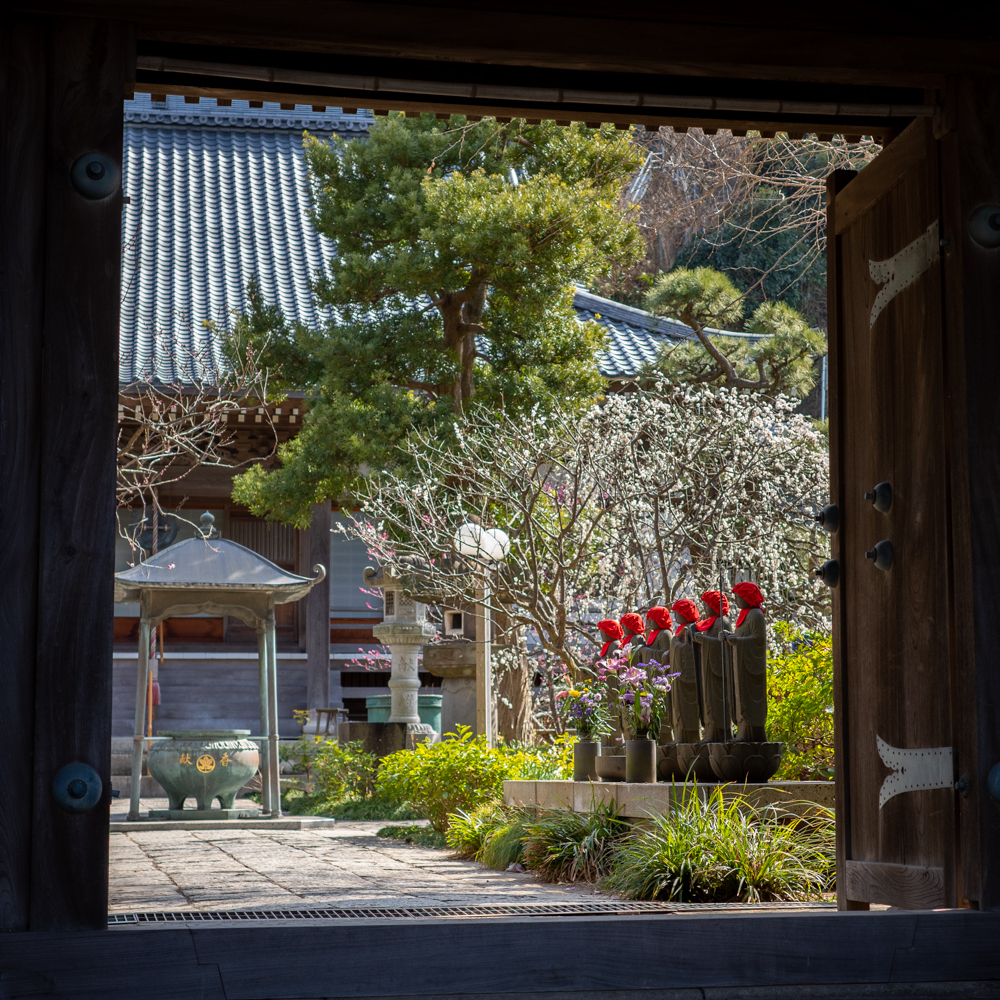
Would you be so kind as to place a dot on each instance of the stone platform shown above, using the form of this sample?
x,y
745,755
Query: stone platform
x,y
151,818
640,801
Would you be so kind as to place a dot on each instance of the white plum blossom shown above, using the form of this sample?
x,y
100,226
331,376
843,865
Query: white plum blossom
x,y
650,494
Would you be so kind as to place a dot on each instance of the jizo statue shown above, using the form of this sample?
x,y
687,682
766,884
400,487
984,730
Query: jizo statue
x,y
610,635
749,656
685,693
634,631
658,628
717,686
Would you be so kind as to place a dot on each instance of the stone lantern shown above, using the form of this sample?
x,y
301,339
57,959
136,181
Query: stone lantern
x,y
404,629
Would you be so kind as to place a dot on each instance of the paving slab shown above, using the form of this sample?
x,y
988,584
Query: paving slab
x,y
227,866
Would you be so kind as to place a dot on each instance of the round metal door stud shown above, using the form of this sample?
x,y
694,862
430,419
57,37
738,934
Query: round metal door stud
x,y
984,226
881,497
993,782
882,554
828,518
95,176
77,788
829,572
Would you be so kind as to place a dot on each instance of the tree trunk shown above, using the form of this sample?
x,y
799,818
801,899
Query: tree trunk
x,y
514,702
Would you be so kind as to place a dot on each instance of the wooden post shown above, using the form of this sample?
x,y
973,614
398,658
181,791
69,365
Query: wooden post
x,y
484,665
141,683
273,762
835,183
317,611
62,81
263,653
970,172
22,264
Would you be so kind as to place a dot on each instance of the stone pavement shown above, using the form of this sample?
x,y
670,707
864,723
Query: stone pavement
x,y
342,866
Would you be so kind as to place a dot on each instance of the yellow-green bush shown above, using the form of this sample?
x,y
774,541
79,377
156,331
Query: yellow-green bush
x,y
462,772
800,703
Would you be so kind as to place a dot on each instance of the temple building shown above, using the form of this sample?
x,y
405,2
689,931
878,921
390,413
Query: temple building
x,y
216,196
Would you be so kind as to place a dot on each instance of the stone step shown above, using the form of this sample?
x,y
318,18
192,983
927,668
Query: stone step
x,y
149,788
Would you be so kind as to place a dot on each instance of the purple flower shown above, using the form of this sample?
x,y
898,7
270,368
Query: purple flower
x,y
628,698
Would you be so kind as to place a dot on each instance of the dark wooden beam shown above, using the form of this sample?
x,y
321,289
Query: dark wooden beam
x,y
836,183
85,69
880,129
754,955
789,42
22,267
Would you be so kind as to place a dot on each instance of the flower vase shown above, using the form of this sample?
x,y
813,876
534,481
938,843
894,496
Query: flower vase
x,y
640,760
585,754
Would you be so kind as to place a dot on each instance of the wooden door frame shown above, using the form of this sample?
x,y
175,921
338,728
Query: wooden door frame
x,y
66,100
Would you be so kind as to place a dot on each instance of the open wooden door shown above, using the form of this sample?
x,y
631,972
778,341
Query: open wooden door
x,y
889,424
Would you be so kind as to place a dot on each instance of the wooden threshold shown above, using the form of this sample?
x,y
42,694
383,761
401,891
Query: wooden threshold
x,y
911,887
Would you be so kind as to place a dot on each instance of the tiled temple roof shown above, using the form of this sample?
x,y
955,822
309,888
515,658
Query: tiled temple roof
x,y
217,196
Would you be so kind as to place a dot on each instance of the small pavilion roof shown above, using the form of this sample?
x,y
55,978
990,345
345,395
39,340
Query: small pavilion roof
x,y
212,565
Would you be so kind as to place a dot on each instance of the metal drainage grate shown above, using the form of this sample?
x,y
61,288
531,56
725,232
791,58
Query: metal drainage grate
x,y
603,908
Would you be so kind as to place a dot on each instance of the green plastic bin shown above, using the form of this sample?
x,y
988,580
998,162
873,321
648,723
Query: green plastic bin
x,y
379,708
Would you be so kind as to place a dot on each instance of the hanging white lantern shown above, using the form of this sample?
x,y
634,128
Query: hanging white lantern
x,y
484,544
500,547
468,540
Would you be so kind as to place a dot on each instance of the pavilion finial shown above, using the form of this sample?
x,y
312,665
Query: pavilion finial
x,y
208,529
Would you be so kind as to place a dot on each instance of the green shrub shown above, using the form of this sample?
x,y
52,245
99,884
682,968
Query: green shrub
x,y
708,849
462,772
548,762
422,836
375,807
332,771
345,770
800,703
565,846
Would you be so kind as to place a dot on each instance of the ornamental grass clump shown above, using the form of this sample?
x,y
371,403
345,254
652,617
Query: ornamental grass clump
x,y
468,830
710,850
503,845
565,846
492,834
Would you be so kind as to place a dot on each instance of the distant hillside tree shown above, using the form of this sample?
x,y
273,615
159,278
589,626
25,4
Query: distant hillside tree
x,y
750,207
779,363
457,245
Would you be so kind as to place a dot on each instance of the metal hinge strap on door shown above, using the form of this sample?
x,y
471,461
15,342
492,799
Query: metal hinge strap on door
x,y
914,770
898,272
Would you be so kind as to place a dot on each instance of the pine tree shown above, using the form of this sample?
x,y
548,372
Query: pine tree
x,y
457,248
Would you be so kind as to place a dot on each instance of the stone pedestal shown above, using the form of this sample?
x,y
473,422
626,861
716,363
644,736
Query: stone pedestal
x,y
404,629
455,664
378,738
404,640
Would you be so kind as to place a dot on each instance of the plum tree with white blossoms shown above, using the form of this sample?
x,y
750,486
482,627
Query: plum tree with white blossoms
x,y
648,495
722,483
